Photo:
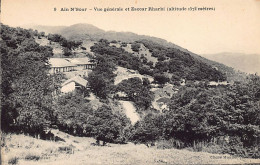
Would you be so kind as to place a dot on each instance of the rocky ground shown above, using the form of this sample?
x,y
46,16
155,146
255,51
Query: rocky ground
x,y
25,150
124,73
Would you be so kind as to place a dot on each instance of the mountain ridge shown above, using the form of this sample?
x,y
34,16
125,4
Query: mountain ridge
x,y
93,30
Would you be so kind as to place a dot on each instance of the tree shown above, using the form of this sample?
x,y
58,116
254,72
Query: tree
x,y
106,126
100,85
67,52
161,78
135,47
101,80
147,130
138,91
72,114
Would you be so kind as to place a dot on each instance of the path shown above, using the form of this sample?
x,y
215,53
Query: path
x,y
130,111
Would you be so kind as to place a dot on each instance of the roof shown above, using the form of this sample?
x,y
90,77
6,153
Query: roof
x,y
76,79
121,94
60,62
79,61
66,62
168,87
213,83
218,83
164,100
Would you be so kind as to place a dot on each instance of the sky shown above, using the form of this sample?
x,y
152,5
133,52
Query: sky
x,y
234,26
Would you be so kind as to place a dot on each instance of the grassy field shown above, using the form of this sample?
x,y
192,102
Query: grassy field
x,y
25,150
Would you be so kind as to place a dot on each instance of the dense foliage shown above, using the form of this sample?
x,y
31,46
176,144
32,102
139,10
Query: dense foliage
x,y
101,79
69,44
138,91
201,114
74,116
26,86
181,64
117,55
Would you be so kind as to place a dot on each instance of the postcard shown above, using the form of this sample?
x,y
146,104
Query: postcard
x,y
130,82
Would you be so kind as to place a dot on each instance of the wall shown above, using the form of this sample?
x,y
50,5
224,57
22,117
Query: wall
x,y
70,87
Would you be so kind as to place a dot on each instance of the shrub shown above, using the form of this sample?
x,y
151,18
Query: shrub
x,y
171,143
161,78
83,48
213,148
135,47
124,44
13,160
32,157
66,149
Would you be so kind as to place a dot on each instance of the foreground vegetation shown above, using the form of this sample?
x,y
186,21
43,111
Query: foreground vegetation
x,y
25,150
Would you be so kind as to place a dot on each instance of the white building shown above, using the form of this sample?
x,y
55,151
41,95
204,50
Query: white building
x,y
214,83
73,84
82,63
70,64
61,65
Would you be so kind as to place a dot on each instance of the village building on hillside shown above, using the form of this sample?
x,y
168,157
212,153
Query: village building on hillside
x,y
163,103
61,65
82,63
215,84
70,64
121,95
183,82
74,84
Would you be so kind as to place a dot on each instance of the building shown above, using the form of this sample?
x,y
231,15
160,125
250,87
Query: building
x,y
215,84
121,95
61,65
183,82
73,84
82,63
163,103
70,64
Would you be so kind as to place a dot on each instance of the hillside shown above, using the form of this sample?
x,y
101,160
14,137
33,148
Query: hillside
x,y
89,33
25,150
172,63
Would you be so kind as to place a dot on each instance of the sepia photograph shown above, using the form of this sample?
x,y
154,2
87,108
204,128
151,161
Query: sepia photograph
x,y
130,82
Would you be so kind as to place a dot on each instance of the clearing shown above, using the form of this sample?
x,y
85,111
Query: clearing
x,y
25,150
124,73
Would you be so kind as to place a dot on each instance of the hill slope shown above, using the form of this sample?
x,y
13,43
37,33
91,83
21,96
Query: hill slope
x,y
170,60
79,31
88,33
